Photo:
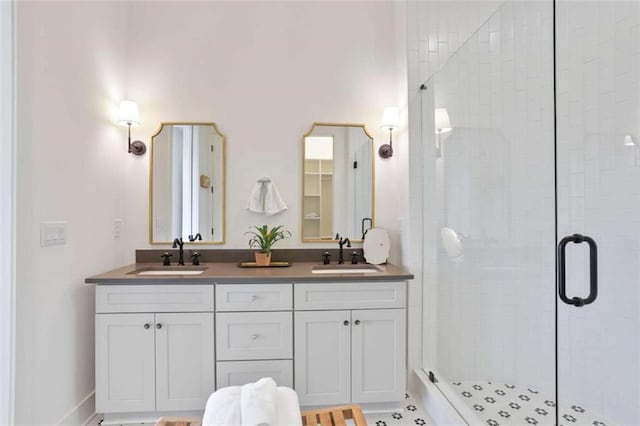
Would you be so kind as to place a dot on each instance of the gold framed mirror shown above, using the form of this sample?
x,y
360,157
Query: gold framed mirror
x,y
338,182
187,184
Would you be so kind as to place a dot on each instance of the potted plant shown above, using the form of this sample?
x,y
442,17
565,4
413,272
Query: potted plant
x,y
264,238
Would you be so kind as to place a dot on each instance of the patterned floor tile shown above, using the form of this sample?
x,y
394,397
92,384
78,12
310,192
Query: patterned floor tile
x,y
412,414
499,404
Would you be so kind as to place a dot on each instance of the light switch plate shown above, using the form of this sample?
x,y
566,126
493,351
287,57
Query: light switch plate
x,y
53,234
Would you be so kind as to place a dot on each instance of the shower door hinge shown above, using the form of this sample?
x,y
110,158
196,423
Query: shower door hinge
x,y
432,377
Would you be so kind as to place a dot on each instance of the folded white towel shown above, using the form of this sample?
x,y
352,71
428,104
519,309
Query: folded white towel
x,y
265,198
259,403
223,408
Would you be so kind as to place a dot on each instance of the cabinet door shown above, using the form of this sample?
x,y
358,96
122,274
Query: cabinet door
x,y
378,363
323,357
184,360
125,378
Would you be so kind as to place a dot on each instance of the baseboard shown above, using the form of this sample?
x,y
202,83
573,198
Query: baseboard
x,y
434,402
82,413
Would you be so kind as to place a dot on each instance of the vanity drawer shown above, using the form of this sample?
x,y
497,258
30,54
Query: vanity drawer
x,y
361,295
154,298
254,335
253,297
238,373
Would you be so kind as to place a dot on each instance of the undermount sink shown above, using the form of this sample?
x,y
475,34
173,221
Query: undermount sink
x,y
345,269
169,270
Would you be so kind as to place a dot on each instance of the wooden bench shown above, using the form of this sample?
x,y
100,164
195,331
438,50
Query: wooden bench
x,y
179,421
332,416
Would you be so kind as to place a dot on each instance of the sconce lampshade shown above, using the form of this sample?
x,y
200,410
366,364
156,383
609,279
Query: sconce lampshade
x,y
442,122
390,118
128,114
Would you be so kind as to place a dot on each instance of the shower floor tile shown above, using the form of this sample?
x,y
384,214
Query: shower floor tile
x,y
412,414
503,404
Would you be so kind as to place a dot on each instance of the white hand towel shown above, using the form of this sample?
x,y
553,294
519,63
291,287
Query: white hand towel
x,y
256,200
273,203
259,403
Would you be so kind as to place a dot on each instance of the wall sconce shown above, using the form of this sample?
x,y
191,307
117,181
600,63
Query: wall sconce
x,y
628,141
443,125
128,115
391,121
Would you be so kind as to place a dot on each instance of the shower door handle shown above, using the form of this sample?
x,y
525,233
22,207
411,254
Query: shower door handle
x,y
593,270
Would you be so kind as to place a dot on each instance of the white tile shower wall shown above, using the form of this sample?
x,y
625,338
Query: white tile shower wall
x,y
598,90
494,184
598,195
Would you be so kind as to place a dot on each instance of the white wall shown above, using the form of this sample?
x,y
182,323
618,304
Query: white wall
x,y
72,163
7,208
264,72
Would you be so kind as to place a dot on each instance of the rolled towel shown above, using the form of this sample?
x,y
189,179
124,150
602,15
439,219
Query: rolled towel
x,y
223,408
259,403
288,408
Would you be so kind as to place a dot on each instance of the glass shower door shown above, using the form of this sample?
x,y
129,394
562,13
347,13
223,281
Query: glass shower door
x,y
598,190
489,221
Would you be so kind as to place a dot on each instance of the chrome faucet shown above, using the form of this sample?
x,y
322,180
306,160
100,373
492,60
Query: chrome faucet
x,y
341,243
178,243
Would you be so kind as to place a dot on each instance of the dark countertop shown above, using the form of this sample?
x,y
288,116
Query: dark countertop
x,y
227,272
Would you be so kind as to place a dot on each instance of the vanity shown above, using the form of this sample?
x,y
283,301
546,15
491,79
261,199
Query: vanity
x,y
168,336
164,343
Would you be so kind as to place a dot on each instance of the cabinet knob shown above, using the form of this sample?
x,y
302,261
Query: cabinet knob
x,y
158,326
254,336
346,322
146,326
357,322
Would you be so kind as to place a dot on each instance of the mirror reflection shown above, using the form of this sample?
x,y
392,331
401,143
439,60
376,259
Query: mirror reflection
x,y
337,182
187,183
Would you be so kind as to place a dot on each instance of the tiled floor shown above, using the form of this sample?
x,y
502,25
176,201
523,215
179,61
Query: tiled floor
x,y
504,404
413,414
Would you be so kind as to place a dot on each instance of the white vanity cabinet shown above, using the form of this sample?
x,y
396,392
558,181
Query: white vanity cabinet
x,y
148,359
164,348
254,333
350,355
125,363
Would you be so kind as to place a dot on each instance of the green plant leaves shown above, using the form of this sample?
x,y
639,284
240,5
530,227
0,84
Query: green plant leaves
x,y
264,238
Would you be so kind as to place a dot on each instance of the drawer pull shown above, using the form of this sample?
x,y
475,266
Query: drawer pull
x,y
254,336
